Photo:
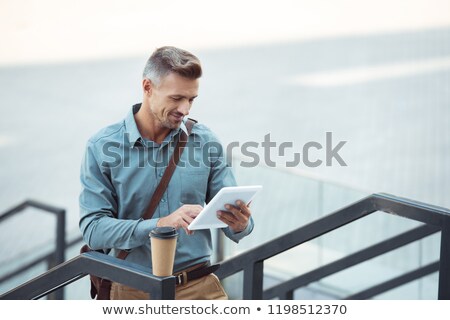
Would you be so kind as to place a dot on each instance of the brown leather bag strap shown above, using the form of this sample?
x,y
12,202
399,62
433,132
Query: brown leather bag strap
x,y
162,186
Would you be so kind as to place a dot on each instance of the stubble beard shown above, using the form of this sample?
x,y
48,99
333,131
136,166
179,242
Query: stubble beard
x,y
165,122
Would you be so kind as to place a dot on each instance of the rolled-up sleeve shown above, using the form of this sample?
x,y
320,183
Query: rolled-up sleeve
x,y
236,236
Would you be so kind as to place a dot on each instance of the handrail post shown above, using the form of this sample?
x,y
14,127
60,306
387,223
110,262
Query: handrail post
x,y
253,281
168,289
59,255
287,295
444,264
220,253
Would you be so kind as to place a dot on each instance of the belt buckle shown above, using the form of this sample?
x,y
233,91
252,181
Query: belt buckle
x,y
182,278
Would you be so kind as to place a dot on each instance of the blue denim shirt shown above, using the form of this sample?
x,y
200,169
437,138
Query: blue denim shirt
x,y
121,170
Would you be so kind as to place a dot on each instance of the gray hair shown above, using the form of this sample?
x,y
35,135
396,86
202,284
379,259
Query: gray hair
x,y
170,59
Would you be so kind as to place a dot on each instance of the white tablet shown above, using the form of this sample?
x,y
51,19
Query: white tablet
x,y
207,218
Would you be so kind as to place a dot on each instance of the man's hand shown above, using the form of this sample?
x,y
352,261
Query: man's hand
x,y
181,218
236,217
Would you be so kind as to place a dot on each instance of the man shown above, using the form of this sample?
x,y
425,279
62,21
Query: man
x,y
124,163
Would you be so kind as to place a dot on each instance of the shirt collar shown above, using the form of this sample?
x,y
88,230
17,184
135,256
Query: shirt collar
x,y
131,129
134,136
183,126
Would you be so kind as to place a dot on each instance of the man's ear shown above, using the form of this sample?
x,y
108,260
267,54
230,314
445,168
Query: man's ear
x,y
147,86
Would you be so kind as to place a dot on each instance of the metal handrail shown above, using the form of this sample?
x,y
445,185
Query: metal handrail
x,y
286,289
252,261
45,257
53,259
396,282
98,264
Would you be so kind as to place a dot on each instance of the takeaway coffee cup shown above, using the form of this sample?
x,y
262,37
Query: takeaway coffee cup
x,y
163,242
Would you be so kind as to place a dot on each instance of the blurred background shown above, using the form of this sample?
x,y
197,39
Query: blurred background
x,y
374,73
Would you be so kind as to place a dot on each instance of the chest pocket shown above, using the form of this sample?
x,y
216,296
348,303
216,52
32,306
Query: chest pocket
x,y
194,185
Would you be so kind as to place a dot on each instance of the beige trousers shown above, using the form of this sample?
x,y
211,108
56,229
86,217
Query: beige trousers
x,y
205,288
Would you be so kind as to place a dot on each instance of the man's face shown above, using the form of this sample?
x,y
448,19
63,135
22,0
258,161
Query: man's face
x,y
172,99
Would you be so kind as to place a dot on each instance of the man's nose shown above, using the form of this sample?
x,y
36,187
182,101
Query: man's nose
x,y
184,108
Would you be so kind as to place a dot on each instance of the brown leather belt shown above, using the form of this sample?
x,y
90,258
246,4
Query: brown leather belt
x,y
195,272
